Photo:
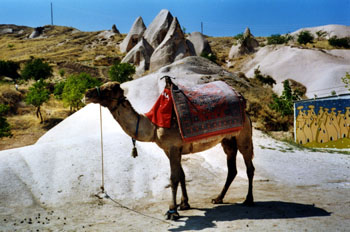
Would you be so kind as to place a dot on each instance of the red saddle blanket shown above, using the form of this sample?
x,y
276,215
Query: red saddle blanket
x,y
202,111
161,112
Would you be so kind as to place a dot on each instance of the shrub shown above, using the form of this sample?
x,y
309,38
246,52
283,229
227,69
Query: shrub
x,y
9,68
239,37
5,129
36,69
61,72
121,72
305,37
278,39
321,34
264,79
210,56
75,87
37,95
346,80
341,42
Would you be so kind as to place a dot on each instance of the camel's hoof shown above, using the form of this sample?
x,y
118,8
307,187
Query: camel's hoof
x,y
172,215
184,206
217,201
248,202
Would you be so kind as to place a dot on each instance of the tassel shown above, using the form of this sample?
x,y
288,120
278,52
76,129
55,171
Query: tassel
x,y
134,152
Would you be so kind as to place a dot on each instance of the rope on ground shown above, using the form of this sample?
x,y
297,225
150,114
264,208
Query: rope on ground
x,y
135,211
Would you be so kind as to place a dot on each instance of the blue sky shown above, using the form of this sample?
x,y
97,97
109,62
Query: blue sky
x,y
219,17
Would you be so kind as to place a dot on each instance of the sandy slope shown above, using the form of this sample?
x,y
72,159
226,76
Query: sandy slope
x,y
319,70
51,185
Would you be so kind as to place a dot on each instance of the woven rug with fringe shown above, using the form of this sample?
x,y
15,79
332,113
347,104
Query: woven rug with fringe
x,y
207,110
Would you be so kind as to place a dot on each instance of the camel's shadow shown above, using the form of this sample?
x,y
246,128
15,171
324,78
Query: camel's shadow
x,y
261,210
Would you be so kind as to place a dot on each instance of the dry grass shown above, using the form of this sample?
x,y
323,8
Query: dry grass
x,y
25,126
221,47
59,44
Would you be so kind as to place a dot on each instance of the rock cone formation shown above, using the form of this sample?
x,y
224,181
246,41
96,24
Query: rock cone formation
x,y
114,29
158,29
134,35
173,47
140,56
247,45
198,44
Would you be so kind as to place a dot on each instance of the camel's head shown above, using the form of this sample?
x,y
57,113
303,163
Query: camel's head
x,y
107,95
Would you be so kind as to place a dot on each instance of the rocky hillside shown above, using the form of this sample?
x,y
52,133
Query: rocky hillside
x,y
317,66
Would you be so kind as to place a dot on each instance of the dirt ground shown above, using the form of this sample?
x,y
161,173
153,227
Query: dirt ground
x,y
278,207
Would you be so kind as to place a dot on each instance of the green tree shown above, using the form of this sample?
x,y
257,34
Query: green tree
x,y
285,103
9,68
37,95
305,37
75,88
5,129
58,89
36,69
121,72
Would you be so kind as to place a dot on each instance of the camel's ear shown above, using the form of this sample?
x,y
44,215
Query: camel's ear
x,y
91,96
117,89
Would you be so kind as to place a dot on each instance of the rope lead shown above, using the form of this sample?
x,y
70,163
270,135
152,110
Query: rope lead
x,y
103,173
134,149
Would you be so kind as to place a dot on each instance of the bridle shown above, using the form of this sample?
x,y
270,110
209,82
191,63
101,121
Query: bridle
x,y
118,100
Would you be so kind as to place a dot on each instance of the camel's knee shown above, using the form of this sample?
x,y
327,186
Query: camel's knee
x,y
250,170
174,179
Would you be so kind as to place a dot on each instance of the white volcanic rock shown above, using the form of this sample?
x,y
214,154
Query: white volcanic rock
x,y
173,47
198,43
158,29
332,30
134,35
319,70
36,33
140,56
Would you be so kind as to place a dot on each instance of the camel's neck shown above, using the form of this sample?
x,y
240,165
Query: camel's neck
x,y
127,117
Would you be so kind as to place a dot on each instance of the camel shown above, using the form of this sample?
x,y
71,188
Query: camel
x,y
111,95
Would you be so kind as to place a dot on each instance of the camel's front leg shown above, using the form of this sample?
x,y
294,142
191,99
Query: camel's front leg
x,y
177,175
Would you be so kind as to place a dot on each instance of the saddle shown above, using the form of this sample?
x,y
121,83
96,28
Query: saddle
x,y
201,111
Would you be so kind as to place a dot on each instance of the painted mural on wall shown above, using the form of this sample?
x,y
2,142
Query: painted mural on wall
x,y
323,122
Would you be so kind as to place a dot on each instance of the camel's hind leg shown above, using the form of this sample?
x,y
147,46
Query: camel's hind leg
x,y
245,146
230,148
